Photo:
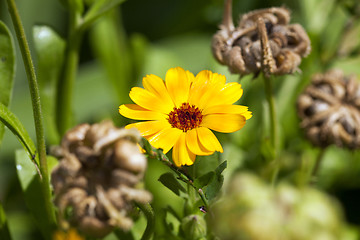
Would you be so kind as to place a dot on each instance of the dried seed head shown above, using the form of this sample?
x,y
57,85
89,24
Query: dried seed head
x,y
262,41
330,110
97,178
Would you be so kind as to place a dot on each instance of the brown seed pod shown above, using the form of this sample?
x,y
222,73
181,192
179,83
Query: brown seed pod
x,y
262,41
98,175
330,110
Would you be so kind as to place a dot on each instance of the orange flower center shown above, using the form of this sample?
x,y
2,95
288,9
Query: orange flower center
x,y
186,117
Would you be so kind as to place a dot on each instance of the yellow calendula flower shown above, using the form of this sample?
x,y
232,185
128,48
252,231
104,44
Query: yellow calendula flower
x,y
181,111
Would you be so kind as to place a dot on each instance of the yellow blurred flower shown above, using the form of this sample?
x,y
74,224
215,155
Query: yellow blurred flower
x,y
182,110
72,234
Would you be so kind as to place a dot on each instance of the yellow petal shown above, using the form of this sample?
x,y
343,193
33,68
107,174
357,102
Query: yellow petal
x,y
149,127
181,154
136,112
148,100
178,85
224,122
230,109
208,76
231,92
190,76
225,94
203,92
206,89
156,85
194,145
208,139
165,139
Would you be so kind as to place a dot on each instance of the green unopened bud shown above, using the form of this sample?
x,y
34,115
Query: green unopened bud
x,y
194,227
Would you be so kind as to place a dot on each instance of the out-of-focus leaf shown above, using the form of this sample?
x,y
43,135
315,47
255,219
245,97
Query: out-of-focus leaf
x,y
332,34
98,8
350,39
169,181
109,42
15,126
7,68
74,5
31,186
50,48
4,230
348,65
316,14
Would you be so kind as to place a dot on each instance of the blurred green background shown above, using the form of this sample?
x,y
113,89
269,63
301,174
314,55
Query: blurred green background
x,y
152,36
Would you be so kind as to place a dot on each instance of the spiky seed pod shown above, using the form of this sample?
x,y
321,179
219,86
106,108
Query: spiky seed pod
x,y
97,178
330,110
262,41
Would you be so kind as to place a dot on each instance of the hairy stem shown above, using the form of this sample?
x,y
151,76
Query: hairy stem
x,y
150,217
35,99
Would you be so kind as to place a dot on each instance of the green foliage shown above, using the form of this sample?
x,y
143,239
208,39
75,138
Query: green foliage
x,y
4,230
169,181
7,68
121,47
50,50
16,127
30,182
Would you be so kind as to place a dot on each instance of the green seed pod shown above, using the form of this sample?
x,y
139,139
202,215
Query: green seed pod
x,y
194,227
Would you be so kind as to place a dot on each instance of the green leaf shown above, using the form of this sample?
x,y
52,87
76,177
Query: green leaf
x,y
73,5
4,230
108,39
204,179
31,186
169,181
213,188
98,8
221,168
15,126
50,50
7,68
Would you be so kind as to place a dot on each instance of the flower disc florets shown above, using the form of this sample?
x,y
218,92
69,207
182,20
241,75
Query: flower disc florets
x,y
185,117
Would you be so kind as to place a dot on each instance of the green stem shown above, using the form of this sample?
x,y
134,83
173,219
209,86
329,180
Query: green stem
x,y
66,83
316,167
273,127
150,217
35,99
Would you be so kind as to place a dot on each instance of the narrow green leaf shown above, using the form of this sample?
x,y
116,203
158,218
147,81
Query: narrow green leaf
x,y
221,168
4,229
15,126
31,186
204,179
98,8
50,50
7,68
169,181
109,42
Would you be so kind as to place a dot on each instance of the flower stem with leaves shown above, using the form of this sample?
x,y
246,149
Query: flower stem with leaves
x,y
35,99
